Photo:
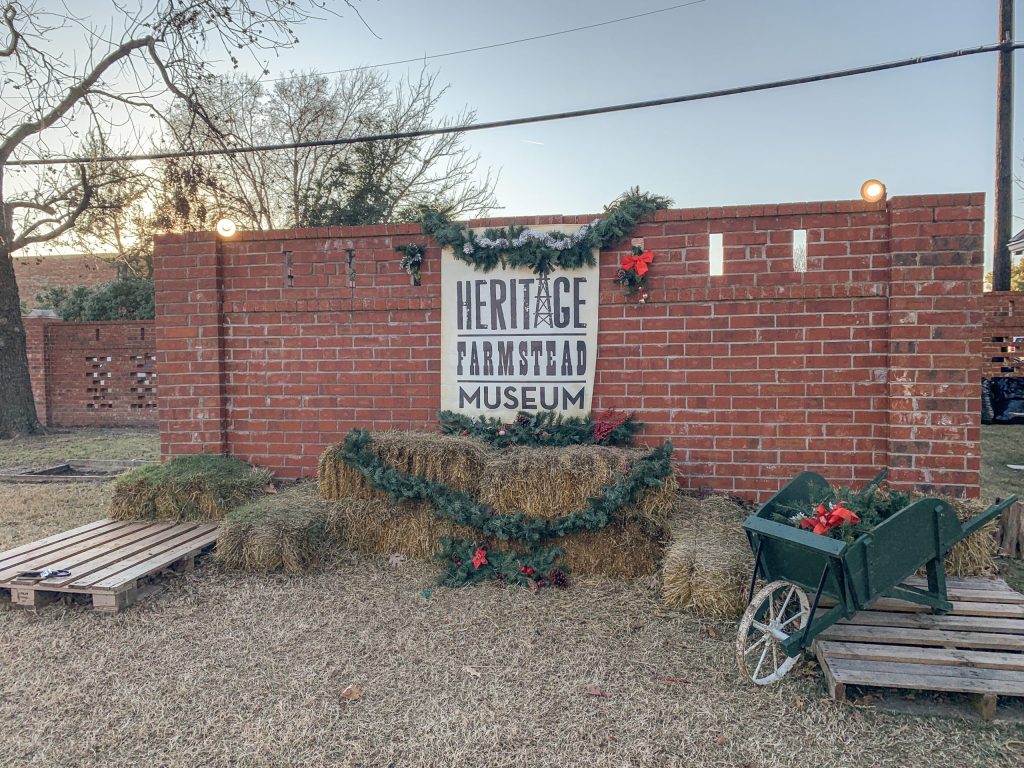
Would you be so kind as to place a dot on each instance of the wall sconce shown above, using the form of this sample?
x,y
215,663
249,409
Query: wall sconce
x,y
226,228
872,190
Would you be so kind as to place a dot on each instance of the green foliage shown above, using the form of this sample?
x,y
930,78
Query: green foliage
x,y
125,299
871,504
457,507
617,223
544,429
1016,277
537,567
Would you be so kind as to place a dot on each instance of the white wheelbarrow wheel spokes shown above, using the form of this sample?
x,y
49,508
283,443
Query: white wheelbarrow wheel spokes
x,y
778,611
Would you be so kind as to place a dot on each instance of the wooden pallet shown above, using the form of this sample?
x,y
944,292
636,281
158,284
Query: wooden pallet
x,y
977,648
109,560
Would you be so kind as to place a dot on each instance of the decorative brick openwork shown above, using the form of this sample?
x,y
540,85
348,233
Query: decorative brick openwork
x,y
93,374
273,344
1004,322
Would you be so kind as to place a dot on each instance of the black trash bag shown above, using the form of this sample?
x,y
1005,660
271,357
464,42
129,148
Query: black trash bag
x,y
1007,398
988,415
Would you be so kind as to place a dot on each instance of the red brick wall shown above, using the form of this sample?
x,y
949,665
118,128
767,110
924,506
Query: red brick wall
x,y
1004,320
34,273
97,374
869,359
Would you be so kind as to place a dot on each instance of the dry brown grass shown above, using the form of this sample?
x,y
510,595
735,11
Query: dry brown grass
x,y
708,563
235,669
225,668
454,461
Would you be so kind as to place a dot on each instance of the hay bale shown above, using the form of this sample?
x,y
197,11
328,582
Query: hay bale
x,y
552,482
197,487
282,532
707,567
455,461
975,555
376,526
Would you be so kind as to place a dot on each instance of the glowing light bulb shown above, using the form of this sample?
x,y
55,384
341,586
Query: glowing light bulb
x,y
872,191
226,228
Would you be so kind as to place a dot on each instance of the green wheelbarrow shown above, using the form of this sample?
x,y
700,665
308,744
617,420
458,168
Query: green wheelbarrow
x,y
780,621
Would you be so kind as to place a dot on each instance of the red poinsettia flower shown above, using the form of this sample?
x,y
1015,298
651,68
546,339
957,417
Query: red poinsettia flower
x,y
479,558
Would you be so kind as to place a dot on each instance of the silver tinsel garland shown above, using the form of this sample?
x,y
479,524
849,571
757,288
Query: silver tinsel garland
x,y
555,244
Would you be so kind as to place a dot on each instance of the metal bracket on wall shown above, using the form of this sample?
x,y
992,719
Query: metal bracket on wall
x,y
351,267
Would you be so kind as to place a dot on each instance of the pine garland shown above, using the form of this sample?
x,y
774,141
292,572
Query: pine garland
x,y
544,429
536,568
516,246
459,508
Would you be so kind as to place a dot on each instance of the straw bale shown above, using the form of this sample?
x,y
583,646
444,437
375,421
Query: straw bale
x,y
197,487
282,532
707,566
449,459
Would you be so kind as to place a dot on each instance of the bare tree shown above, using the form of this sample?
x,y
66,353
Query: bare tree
x,y
330,184
64,79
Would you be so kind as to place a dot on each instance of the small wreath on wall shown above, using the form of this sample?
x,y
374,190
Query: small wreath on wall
x,y
412,259
632,274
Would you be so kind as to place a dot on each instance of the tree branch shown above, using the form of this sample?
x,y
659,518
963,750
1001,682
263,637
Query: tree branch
x,y
74,94
83,204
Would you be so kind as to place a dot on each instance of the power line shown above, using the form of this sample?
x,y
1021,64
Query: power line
x,y
497,45
772,85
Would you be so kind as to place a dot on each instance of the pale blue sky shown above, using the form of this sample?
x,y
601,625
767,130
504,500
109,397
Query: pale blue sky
x,y
924,129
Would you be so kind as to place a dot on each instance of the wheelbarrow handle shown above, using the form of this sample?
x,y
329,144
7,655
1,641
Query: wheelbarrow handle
x,y
970,526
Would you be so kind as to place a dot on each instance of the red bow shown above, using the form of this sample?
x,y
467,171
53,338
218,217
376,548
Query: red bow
x,y
824,519
479,558
638,263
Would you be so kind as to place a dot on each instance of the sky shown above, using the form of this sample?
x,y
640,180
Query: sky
x,y
925,129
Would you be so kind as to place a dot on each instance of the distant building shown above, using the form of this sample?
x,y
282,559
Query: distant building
x,y
34,273
1016,244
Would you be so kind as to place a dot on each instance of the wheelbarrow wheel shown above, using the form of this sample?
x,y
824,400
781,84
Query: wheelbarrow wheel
x,y
778,610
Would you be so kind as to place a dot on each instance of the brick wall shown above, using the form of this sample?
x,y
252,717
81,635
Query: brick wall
x,y
868,359
1004,320
34,273
97,374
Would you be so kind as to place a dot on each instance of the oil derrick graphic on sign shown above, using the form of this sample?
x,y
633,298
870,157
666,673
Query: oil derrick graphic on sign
x,y
542,313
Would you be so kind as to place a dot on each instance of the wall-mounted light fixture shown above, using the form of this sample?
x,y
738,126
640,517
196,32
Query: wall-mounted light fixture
x,y
872,190
226,228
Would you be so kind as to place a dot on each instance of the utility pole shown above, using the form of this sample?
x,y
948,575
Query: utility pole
x,y
1004,152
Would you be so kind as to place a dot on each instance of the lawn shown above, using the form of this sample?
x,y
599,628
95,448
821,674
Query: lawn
x,y
223,668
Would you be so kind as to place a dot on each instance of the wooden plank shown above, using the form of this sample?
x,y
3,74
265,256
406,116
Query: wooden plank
x,y
71,558
18,554
913,655
935,670
932,621
998,610
925,682
974,582
152,535
993,607
147,562
924,637
836,689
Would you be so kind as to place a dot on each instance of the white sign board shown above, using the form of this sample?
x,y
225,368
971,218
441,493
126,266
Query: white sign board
x,y
515,341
